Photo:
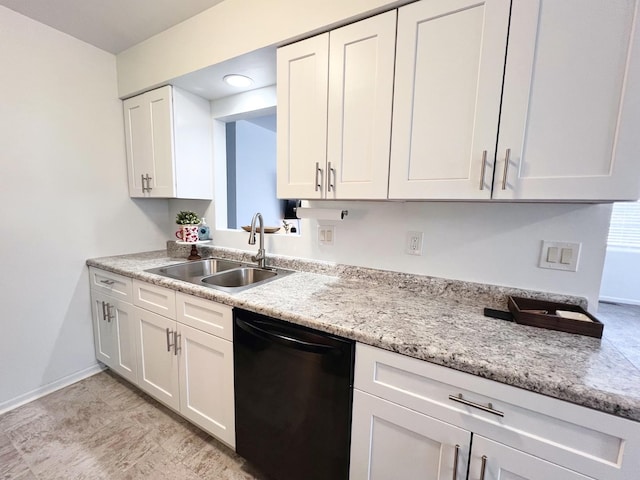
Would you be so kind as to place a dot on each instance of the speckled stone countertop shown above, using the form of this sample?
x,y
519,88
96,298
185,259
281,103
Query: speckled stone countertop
x,y
437,320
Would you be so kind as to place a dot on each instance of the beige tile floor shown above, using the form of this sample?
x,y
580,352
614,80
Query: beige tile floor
x,y
103,428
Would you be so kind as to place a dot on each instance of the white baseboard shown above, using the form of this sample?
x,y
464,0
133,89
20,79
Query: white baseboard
x,y
627,301
49,388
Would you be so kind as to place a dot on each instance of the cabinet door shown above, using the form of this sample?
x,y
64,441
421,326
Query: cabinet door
x,y
103,330
302,75
157,358
505,463
114,335
571,102
390,442
206,382
361,60
149,142
122,317
448,80
137,127
163,183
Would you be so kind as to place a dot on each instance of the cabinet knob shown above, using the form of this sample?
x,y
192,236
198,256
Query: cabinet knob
x,y
507,156
318,176
176,342
330,171
170,334
146,178
483,467
485,408
482,169
110,314
455,462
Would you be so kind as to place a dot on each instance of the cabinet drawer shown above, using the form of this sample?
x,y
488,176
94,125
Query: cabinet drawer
x,y
117,286
205,315
581,439
156,299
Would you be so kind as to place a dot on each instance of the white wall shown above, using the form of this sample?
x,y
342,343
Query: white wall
x,y
621,276
230,29
63,199
496,243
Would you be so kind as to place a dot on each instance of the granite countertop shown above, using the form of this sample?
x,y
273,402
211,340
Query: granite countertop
x,y
437,320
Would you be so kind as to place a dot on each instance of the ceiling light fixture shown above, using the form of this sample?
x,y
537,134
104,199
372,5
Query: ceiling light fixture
x,y
236,80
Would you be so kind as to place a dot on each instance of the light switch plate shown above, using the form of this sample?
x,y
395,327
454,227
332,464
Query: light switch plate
x,y
326,234
560,255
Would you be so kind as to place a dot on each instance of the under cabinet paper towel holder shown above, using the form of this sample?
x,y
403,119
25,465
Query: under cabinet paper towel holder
x,y
321,213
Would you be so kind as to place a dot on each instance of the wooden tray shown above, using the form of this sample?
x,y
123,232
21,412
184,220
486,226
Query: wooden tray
x,y
522,314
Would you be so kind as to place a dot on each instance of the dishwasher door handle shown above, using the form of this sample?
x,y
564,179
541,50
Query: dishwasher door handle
x,y
298,344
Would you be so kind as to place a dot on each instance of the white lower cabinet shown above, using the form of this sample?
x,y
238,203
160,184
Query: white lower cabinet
x,y
186,361
156,357
410,417
493,461
174,346
206,382
113,329
392,442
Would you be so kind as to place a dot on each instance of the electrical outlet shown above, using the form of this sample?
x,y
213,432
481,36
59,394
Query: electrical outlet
x,y
560,255
414,243
326,234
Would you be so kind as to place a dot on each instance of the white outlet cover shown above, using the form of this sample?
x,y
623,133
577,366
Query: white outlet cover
x,y
547,261
414,243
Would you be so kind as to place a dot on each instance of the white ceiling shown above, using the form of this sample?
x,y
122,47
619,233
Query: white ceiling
x,y
112,25
115,25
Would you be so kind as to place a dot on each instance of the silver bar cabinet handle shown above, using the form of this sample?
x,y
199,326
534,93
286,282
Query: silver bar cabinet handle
x,y
176,342
483,467
482,169
110,315
169,344
507,156
144,189
149,188
107,282
104,312
318,176
455,462
488,408
330,171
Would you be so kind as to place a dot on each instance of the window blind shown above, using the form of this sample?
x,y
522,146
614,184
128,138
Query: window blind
x,y
624,230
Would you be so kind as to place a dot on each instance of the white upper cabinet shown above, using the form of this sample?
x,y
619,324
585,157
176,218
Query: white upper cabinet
x,y
334,112
571,106
168,144
564,125
303,78
448,80
360,101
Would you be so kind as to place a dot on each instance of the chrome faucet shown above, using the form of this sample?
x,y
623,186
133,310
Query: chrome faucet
x,y
260,257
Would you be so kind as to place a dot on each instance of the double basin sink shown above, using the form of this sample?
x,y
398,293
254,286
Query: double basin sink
x,y
221,274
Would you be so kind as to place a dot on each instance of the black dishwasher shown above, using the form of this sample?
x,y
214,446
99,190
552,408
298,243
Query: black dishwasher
x,y
293,397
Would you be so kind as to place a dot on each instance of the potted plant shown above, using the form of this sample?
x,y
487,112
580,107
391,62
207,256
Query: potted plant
x,y
186,217
188,222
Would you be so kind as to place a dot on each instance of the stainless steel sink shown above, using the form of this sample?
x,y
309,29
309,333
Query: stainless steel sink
x,y
240,277
195,270
221,274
